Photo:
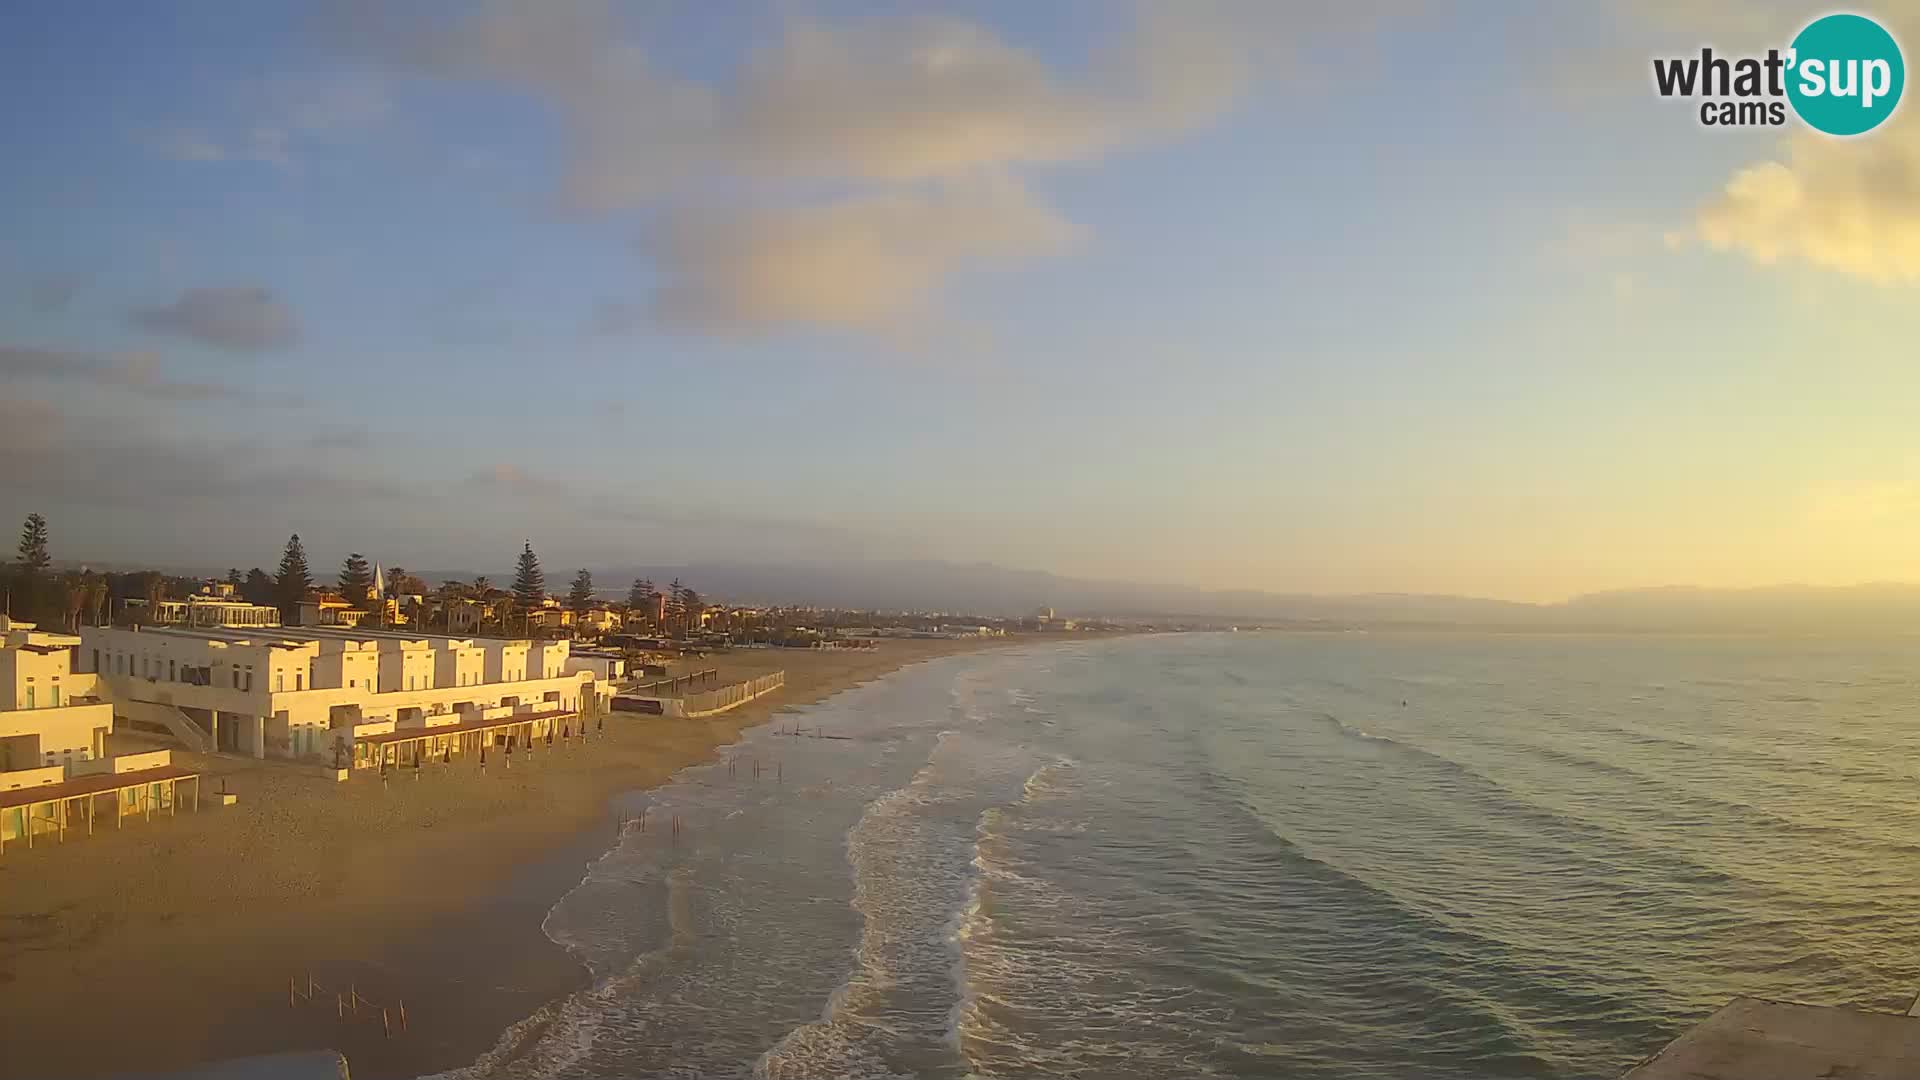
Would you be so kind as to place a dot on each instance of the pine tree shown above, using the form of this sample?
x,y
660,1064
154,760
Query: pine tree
x,y
294,580
356,579
690,608
638,594
529,584
258,588
33,544
676,601
233,577
580,597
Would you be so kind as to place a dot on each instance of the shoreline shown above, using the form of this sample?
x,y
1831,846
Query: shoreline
x,y
174,942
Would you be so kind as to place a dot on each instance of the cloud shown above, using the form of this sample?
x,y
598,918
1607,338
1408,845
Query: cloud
x,y
887,99
79,465
861,263
845,141
1850,206
241,319
136,372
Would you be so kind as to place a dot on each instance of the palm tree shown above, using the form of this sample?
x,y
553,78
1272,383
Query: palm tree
x,y
97,597
73,589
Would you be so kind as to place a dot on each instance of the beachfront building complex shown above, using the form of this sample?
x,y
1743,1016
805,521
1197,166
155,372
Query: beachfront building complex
x,y
311,691
50,716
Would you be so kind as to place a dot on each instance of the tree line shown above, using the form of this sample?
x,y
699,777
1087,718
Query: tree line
x,y
70,599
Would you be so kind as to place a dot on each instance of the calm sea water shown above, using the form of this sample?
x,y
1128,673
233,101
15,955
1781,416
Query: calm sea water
x,y
1262,855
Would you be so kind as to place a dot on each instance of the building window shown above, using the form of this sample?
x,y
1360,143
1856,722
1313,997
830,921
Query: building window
x,y
29,697
170,675
53,692
279,681
298,678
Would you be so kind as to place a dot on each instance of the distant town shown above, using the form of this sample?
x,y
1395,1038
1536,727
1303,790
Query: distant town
x,y
362,593
105,675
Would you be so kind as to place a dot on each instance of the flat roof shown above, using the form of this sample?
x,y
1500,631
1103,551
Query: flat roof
x,y
411,734
91,785
1751,1039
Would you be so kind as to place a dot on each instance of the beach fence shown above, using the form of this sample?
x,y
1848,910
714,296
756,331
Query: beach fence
x,y
699,704
349,1005
677,686
712,702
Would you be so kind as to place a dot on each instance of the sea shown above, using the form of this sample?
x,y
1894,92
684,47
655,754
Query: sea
x,y
1334,856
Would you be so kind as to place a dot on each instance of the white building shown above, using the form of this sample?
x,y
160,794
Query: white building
x,y
204,611
49,714
294,692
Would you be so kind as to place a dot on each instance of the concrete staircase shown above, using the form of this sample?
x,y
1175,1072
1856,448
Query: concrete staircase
x,y
179,724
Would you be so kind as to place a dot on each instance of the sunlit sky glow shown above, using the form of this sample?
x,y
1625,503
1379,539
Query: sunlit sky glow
x,y
1416,298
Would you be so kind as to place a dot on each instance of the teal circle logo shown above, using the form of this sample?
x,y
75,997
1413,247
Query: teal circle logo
x,y
1846,74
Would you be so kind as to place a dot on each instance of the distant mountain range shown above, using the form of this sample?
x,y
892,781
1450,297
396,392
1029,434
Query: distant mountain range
x,y
986,589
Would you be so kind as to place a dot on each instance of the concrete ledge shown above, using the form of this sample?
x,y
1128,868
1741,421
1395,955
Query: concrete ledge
x,y
1751,1039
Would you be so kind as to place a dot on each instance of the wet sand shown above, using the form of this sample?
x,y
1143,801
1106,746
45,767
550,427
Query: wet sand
x,y
172,942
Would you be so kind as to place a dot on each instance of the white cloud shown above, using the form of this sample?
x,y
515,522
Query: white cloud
x,y
863,263
1851,206
876,155
883,100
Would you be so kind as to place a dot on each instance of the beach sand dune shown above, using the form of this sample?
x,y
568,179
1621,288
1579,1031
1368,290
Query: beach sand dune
x,y
172,942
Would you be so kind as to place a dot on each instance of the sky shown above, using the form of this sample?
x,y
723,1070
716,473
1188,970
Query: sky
x,y
1403,298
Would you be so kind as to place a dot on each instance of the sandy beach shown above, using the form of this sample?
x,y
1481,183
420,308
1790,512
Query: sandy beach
x,y
174,941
